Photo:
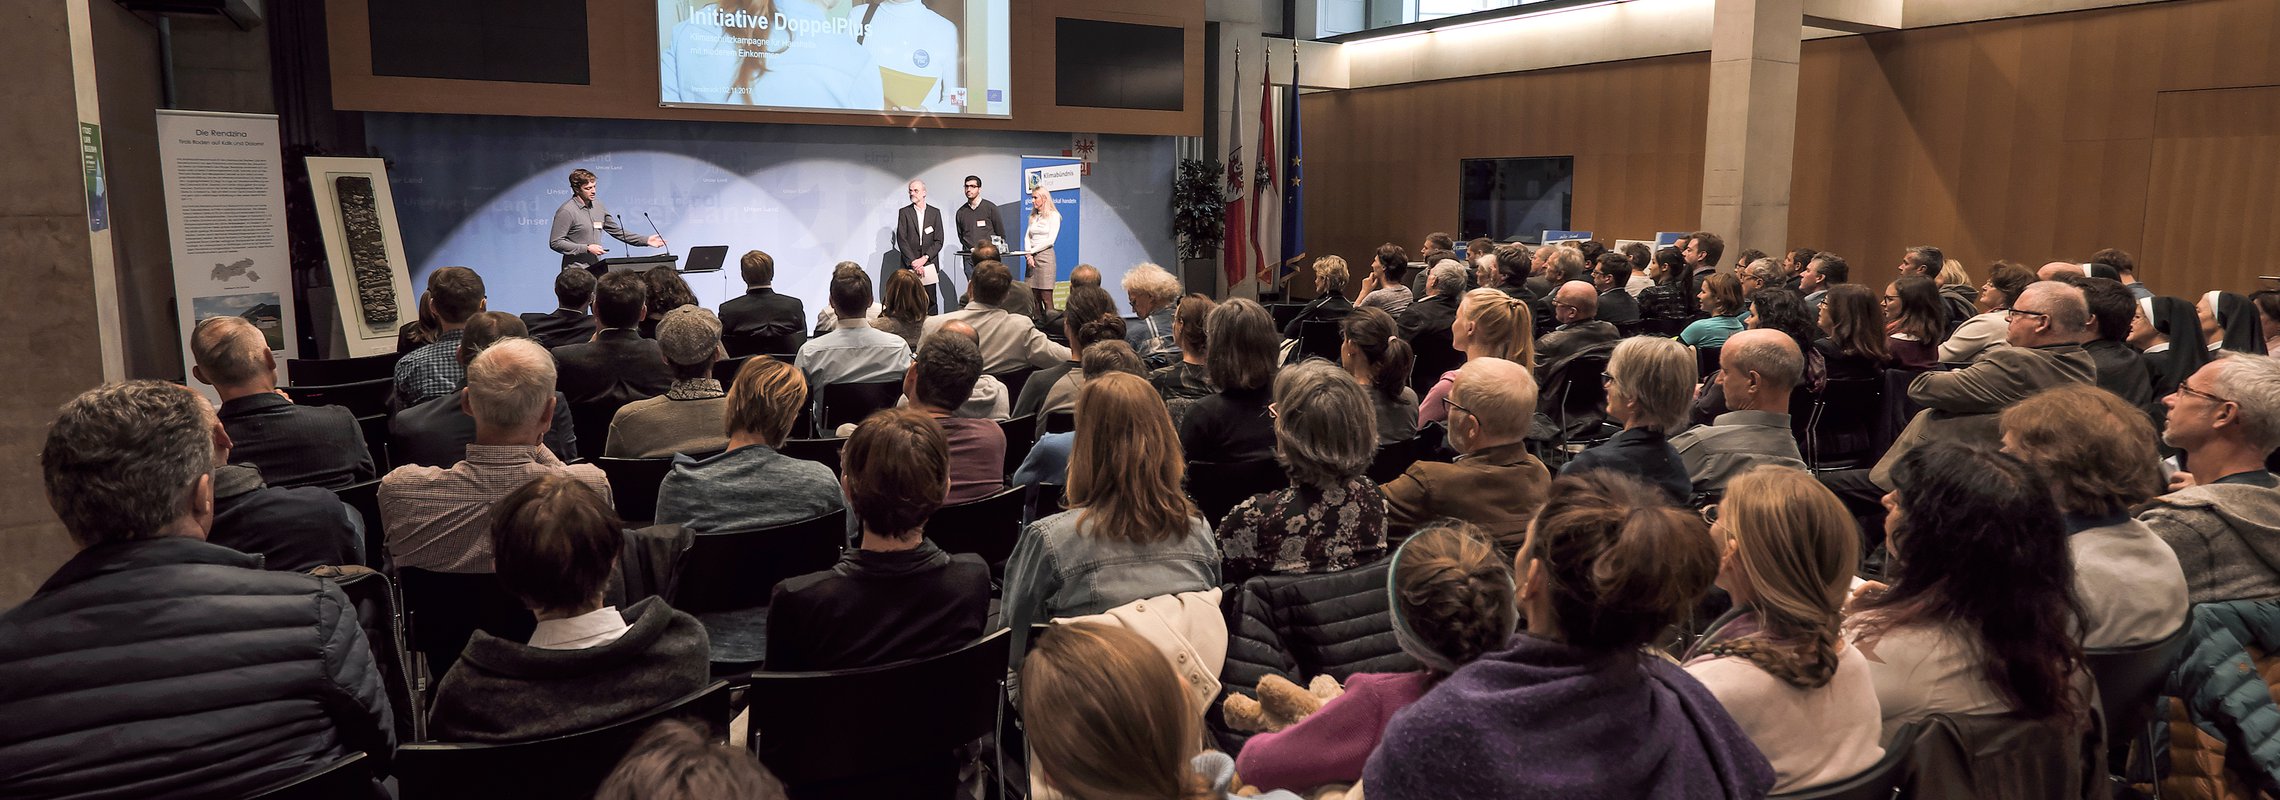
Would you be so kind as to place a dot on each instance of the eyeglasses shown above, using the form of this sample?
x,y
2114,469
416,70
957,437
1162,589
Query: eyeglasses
x,y
1273,412
1448,403
2013,313
2188,389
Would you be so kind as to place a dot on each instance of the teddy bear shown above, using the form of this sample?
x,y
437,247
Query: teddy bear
x,y
1280,703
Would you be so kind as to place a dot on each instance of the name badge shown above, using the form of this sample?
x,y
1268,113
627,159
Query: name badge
x,y
927,229
981,223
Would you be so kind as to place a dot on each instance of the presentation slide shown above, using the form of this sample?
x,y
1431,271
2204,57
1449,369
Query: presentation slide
x,y
947,57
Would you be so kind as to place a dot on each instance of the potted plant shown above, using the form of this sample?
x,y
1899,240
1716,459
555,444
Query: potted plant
x,y
1199,211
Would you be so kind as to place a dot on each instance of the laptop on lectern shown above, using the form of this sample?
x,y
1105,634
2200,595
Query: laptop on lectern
x,y
706,259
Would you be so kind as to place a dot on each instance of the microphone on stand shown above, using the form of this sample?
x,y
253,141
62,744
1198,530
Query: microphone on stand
x,y
653,226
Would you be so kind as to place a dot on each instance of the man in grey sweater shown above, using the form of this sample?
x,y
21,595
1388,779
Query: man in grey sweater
x,y
2223,517
581,221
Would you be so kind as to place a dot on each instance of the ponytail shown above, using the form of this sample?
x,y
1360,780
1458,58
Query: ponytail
x,y
1371,331
1504,319
1620,562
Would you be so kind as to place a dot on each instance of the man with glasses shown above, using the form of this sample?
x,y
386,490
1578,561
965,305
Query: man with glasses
x,y
2223,517
1576,307
2048,324
1494,483
978,220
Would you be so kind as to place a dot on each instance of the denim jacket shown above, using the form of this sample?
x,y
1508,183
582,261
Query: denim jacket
x,y
1059,569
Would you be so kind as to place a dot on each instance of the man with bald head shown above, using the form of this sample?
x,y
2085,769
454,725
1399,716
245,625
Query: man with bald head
x,y
918,240
1494,483
1576,306
1758,369
292,445
2048,323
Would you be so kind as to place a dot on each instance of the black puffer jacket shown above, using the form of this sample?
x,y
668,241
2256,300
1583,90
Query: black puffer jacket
x,y
1300,626
172,667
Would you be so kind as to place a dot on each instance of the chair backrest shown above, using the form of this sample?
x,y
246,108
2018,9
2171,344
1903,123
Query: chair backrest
x,y
445,609
379,611
987,527
362,398
850,402
567,766
821,451
1392,460
633,485
2001,755
2129,679
1020,434
348,777
1043,500
335,371
591,420
850,733
725,369
1848,426
1881,781
1662,326
1573,396
1284,313
365,498
1014,380
1706,361
735,570
1435,356
1057,422
1319,338
751,344
1219,487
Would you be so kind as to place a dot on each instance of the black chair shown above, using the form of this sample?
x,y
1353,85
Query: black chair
x,y
445,609
1020,435
1847,429
1284,313
336,371
633,486
1665,327
728,578
752,344
1058,422
375,429
1881,781
591,421
725,369
1014,380
365,498
1573,395
567,766
1434,357
889,731
1043,500
821,451
379,611
1392,460
987,527
1219,487
850,402
1319,338
1706,361
362,398
2129,681
348,777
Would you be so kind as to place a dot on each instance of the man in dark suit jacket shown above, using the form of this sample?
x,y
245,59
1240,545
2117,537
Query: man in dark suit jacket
x,y
918,238
617,367
1576,306
292,445
568,324
1616,305
762,321
436,433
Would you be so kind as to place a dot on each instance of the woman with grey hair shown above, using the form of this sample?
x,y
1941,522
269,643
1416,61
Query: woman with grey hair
x,y
1154,294
1331,517
1650,388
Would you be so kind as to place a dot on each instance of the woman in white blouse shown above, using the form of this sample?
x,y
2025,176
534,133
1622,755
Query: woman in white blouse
x,y
1044,229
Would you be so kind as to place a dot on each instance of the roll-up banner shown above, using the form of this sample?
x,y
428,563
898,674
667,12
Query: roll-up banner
x,y
225,221
1061,176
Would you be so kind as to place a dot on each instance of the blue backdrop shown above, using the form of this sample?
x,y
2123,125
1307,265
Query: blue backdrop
x,y
481,192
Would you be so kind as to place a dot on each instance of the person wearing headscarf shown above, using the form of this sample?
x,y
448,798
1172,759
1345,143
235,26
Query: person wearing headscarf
x,y
2230,322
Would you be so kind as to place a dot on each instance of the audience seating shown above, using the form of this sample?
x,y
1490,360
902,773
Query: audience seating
x,y
365,498
568,766
739,345
379,611
1319,338
1434,357
1999,755
1392,460
367,399
1044,500
633,485
845,403
725,369
445,609
2130,680
1574,397
1664,327
1300,626
1846,427
1881,781
1218,487
889,731
591,421
821,451
1014,379
1283,312
1058,422
728,578
1020,435
1706,362
987,527
336,371
348,777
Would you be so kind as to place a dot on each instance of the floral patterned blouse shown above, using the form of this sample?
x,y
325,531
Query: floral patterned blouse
x,y
1303,529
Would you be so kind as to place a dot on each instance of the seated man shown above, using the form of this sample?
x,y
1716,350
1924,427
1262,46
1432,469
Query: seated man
x,y
1430,318
1494,483
1576,306
1758,369
2223,518
2048,322
751,486
1610,277
436,433
440,519
937,384
898,596
989,399
1008,341
294,529
588,664
689,416
156,664
454,294
568,323
853,352
618,366
763,320
2121,369
292,445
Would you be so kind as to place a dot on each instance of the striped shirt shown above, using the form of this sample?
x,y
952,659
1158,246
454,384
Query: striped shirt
x,y
440,519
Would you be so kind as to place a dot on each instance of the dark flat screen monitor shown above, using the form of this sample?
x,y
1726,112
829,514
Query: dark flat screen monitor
x,y
1508,198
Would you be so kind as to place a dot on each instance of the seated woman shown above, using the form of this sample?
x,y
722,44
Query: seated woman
x,y
1854,348
897,596
675,761
1330,517
1662,305
751,486
1992,325
2230,323
1776,662
1451,598
587,665
1489,324
1330,303
902,311
1721,298
1186,381
1607,565
2128,581
1129,532
1980,617
1152,293
1379,360
1108,718
1233,425
1090,319
1914,322
1650,386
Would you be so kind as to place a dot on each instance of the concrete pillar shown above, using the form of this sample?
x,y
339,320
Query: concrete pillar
x,y
61,322
1751,142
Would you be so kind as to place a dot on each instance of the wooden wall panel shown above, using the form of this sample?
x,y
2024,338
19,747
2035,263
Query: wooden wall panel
x,y
2030,139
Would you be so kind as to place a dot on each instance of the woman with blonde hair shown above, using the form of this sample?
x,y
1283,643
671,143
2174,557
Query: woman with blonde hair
x,y
1044,228
1129,532
1489,324
1650,387
1330,303
750,485
1153,294
1108,719
1787,549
